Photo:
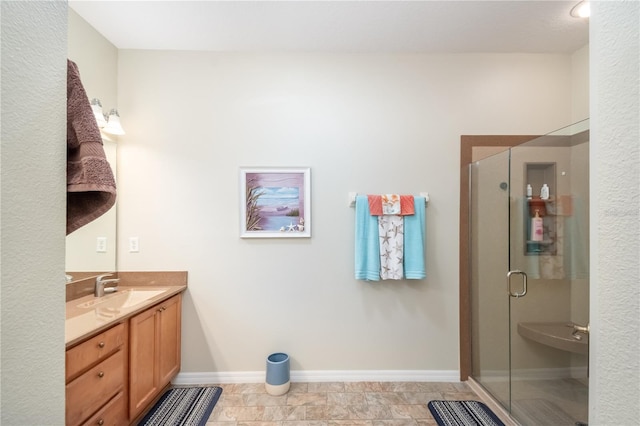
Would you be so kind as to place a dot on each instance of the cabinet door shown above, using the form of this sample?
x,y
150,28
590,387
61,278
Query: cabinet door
x,y
169,318
143,382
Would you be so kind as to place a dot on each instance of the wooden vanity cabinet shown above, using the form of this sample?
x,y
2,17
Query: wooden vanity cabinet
x,y
154,352
96,377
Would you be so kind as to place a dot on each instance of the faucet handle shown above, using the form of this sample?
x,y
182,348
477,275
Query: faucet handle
x,y
99,287
99,278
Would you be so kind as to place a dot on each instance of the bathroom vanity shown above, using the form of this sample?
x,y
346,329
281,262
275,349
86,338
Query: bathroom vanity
x,y
122,351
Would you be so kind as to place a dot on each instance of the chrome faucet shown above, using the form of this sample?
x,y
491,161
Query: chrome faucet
x,y
101,284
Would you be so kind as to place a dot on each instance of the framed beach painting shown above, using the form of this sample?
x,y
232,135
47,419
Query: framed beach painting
x,y
276,202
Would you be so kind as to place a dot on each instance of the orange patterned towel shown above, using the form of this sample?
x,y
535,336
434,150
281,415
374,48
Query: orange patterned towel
x,y
406,205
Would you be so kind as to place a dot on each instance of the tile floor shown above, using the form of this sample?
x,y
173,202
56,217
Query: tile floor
x,y
335,404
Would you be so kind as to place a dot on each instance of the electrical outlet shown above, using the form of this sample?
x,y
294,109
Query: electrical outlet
x,y
101,245
134,245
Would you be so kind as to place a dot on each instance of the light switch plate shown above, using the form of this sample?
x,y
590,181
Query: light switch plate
x,y
134,245
101,245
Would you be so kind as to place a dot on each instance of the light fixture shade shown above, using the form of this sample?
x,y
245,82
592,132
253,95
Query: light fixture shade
x,y
96,107
113,124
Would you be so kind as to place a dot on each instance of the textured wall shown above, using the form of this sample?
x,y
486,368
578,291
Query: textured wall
x,y
33,171
615,226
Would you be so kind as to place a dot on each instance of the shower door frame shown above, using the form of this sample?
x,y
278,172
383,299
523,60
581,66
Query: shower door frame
x,y
467,143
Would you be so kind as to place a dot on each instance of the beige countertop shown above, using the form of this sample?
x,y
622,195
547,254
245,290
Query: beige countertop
x,y
88,315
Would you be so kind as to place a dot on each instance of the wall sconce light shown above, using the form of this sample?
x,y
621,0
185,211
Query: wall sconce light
x,y
109,124
113,123
96,107
581,10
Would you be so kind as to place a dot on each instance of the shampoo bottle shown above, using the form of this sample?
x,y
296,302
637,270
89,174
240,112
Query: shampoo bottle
x,y
544,192
536,228
529,191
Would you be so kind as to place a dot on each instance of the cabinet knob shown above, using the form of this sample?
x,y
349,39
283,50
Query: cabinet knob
x,y
100,422
101,345
101,374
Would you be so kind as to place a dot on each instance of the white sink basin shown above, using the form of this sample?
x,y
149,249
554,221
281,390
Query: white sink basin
x,y
122,299
135,297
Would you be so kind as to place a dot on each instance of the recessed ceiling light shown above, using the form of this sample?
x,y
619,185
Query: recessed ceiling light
x,y
581,10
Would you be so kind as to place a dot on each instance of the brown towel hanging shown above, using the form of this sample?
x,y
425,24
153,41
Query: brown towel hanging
x,y
91,187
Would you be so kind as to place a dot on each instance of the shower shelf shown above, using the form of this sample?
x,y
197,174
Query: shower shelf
x,y
555,334
536,175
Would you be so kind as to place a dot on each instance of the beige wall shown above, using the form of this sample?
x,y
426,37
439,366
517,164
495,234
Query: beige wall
x,y
365,123
33,171
580,85
97,60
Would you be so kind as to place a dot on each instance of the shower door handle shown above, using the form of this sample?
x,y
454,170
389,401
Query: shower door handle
x,y
524,283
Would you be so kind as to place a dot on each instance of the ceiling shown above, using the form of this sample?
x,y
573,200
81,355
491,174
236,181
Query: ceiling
x,y
339,26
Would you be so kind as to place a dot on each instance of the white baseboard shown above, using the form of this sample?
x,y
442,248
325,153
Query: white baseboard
x,y
205,378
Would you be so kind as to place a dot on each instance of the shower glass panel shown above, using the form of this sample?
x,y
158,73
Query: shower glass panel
x,y
530,339
489,263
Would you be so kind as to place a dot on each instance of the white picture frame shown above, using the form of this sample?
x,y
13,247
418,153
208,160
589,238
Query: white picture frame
x,y
275,202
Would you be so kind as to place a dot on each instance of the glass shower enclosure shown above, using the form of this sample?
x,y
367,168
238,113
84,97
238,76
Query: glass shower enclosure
x,y
529,276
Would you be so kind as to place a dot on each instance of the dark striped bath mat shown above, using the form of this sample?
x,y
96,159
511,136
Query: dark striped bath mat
x,y
463,413
184,407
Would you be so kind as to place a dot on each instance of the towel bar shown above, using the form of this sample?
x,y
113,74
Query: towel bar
x,y
352,198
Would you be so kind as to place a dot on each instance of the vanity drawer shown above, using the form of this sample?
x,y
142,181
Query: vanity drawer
x,y
90,391
112,414
93,350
